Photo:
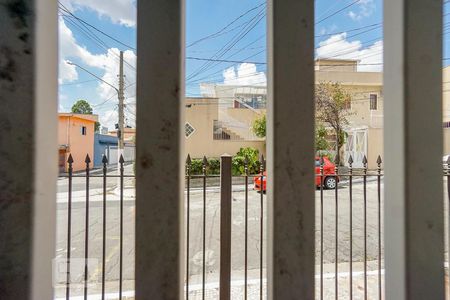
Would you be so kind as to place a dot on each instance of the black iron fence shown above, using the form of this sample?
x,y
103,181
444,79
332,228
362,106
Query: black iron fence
x,y
226,228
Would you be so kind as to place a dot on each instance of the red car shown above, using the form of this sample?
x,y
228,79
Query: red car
x,y
329,181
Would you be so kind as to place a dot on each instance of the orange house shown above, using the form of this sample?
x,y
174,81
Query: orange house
x,y
76,137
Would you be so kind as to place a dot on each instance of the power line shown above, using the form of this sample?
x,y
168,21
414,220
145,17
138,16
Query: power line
x,y
336,12
221,31
346,31
238,37
220,71
226,61
212,59
227,46
78,82
98,30
89,34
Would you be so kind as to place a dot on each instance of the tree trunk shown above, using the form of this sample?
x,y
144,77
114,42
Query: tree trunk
x,y
337,159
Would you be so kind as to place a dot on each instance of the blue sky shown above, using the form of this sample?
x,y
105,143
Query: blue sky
x,y
344,29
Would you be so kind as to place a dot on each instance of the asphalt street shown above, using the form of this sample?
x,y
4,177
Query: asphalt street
x,y
212,228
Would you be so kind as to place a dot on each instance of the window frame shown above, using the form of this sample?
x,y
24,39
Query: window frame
x,y
185,129
373,102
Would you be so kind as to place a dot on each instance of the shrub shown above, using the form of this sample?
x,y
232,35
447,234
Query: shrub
x,y
238,162
259,127
213,167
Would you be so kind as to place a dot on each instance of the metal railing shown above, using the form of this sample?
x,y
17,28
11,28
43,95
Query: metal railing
x,y
351,175
70,176
349,233
226,200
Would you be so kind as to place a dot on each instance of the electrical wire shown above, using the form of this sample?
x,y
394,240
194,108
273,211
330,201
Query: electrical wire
x,y
221,31
97,29
336,12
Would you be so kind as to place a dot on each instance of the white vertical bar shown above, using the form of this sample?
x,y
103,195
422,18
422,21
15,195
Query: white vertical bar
x,y
290,148
159,206
413,149
28,147
45,148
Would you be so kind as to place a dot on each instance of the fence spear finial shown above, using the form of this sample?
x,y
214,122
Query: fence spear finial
x,y
364,161
104,159
121,160
70,159
88,159
262,162
350,160
379,161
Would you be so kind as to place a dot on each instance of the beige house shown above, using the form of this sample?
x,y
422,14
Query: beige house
x,y
365,131
209,133
235,108
129,134
221,121
446,108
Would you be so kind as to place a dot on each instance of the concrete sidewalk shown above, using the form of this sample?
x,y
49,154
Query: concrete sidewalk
x,y
253,287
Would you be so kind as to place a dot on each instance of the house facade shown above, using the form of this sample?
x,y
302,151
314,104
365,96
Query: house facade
x,y
446,108
213,130
75,137
229,111
238,106
104,145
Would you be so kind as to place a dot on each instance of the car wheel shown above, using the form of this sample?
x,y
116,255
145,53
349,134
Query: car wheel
x,y
330,183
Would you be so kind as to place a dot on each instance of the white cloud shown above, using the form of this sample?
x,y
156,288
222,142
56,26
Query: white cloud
x,y
327,30
107,64
338,47
366,9
118,11
109,119
244,74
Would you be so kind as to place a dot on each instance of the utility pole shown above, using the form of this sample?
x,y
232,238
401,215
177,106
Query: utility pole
x,y
120,95
120,130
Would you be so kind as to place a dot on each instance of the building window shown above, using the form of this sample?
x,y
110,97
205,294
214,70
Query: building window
x,y
373,102
83,130
188,129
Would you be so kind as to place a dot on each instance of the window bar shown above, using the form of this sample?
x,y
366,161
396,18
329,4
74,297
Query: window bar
x,y
105,160
205,164
69,225
188,196
379,161
321,226
246,162
365,225
350,170
262,169
86,234
121,161
336,248
448,220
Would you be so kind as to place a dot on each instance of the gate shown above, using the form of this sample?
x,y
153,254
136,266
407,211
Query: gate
x,y
356,146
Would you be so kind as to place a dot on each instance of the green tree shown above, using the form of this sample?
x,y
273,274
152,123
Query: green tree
x,y
332,110
321,138
83,107
259,129
259,126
